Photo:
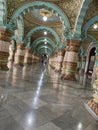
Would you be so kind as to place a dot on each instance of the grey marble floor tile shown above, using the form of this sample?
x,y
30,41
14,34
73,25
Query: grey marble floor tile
x,y
67,122
82,115
39,100
3,113
10,124
34,102
92,126
17,107
35,118
48,126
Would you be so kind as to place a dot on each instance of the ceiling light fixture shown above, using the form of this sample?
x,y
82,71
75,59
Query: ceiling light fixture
x,y
45,18
45,33
95,26
45,42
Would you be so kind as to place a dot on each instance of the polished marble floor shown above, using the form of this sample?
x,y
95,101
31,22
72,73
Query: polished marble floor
x,y
37,99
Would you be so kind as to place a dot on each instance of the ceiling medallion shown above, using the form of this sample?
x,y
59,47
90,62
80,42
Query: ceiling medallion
x,y
44,12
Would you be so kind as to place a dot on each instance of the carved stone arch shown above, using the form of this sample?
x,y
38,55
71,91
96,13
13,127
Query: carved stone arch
x,y
43,39
89,23
43,28
80,17
45,47
38,4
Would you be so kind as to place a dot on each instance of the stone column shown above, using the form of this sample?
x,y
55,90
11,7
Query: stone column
x,y
70,60
92,105
11,56
51,61
27,61
19,55
59,60
5,38
82,68
78,68
35,59
28,57
54,61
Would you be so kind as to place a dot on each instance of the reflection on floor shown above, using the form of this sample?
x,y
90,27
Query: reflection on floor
x,y
37,99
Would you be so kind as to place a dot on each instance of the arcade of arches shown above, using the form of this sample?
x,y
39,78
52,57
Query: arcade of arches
x,y
49,57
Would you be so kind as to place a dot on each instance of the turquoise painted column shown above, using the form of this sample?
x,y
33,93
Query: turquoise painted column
x,y
3,13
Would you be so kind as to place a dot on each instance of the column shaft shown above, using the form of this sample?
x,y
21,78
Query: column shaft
x,y
59,61
19,55
28,57
70,60
11,57
5,37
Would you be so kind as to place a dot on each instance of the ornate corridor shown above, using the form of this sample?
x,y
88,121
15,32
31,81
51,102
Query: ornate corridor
x,y
49,64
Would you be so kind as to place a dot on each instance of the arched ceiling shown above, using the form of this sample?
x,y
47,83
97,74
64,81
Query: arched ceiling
x,y
67,19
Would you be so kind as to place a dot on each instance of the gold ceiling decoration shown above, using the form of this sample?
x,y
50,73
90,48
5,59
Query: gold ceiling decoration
x,y
44,12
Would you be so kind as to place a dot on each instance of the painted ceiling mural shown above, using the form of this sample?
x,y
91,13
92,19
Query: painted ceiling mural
x,y
68,19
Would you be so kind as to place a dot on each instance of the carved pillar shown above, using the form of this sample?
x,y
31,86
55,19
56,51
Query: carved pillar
x,y
82,68
19,55
11,55
59,61
54,61
70,60
35,58
78,68
92,105
51,61
5,37
28,57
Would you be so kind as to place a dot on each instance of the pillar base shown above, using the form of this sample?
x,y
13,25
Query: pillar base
x,y
91,111
68,77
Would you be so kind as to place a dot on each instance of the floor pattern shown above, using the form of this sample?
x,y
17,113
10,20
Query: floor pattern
x,y
37,99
